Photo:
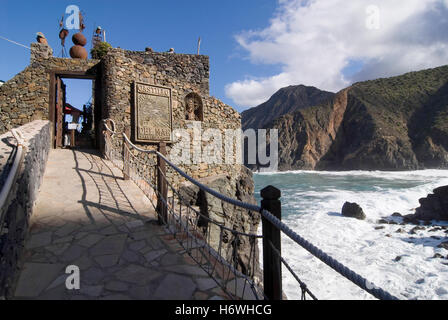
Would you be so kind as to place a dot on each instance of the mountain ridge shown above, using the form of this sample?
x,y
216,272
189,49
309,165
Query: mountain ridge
x,y
397,123
285,100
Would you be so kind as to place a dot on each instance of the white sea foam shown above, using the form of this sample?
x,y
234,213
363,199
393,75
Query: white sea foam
x,y
312,202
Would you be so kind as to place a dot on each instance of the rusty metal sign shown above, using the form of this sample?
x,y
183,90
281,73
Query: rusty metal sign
x,y
153,120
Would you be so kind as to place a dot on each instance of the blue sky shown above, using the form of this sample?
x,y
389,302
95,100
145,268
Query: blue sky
x,y
255,46
135,25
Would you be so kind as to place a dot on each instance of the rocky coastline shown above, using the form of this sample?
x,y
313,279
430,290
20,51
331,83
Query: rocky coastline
x,y
431,217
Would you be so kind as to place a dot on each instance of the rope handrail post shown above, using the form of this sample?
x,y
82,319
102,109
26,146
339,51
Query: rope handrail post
x,y
162,188
272,265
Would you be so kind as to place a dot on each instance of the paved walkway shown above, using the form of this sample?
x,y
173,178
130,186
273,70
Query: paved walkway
x,y
87,215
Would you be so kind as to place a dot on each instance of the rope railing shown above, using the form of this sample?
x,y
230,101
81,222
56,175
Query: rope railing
x,y
328,260
276,222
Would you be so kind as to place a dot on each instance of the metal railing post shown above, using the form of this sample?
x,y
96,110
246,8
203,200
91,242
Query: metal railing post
x,y
126,174
162,189
272,267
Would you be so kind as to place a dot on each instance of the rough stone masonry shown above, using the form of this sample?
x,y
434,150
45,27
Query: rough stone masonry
x,y
19,206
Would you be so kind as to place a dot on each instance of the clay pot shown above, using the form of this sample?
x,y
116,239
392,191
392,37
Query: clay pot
x,y
78,52
79,39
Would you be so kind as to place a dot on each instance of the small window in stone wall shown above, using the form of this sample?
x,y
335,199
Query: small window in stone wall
x,y
194,109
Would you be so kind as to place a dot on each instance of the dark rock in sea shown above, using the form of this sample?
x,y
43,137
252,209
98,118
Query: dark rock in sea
x,y
438,256
400,231
398,258
414,230
420,281
379,228
397,214
411,219
434,206
386,221
443,245
353,210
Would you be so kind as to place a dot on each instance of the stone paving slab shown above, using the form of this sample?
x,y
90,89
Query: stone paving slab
x,y
88,216
36,277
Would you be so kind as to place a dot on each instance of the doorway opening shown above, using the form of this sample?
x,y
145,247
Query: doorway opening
x,y
75,111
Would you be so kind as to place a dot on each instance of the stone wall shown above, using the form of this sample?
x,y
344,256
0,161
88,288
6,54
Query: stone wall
x,y
188,70
181,72
23,194
40,51
25,97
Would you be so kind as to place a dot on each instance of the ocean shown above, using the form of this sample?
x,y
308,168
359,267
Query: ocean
x,y
311,206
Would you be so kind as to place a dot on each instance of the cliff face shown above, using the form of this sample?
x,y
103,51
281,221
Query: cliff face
x,y
398,123
286,100
241,252
307,135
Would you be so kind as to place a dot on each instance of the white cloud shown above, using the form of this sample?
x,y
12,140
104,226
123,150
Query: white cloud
x,y
315,40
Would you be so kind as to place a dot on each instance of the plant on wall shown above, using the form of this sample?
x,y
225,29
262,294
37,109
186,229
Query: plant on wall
x,y
99,51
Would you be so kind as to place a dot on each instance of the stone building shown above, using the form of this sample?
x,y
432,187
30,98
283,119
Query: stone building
x,y
33,93
177,84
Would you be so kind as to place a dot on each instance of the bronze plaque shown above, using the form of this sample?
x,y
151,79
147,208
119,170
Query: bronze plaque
x,y
152,113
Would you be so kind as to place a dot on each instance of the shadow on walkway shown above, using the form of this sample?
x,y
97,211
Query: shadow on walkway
x,y
86,215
